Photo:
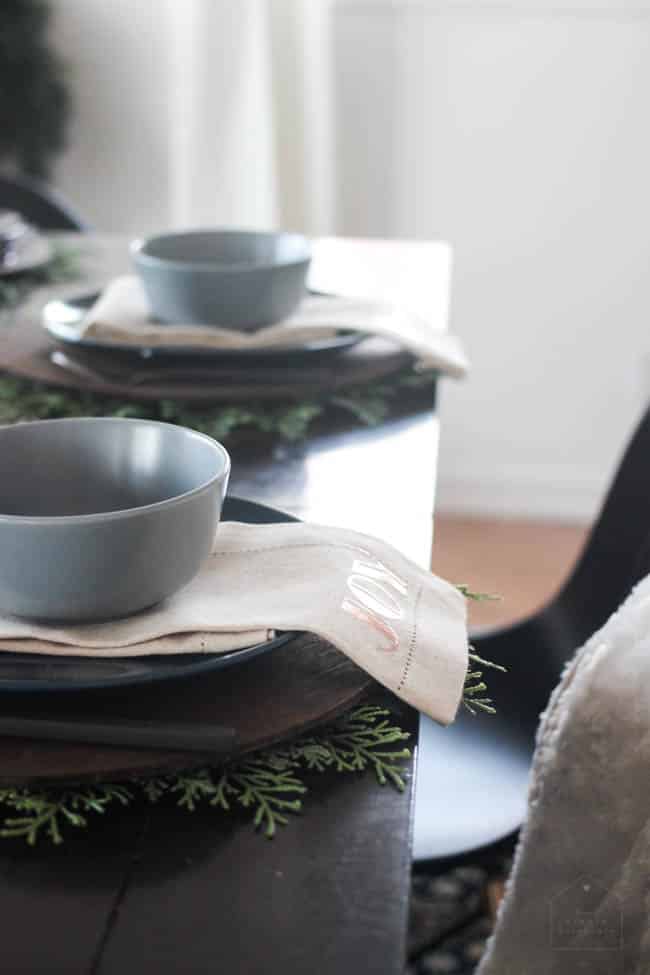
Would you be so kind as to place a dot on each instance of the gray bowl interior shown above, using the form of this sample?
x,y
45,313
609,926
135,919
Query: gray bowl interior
x,y
81,467
228,249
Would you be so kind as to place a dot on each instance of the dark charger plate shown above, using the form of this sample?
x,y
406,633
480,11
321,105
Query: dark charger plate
x,y
21,672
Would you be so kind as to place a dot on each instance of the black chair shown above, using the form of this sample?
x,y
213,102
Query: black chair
x,y
473,776
38,205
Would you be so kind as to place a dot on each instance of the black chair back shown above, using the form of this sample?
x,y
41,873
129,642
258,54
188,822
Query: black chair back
x,y
38,205
616,556
535,651
617,553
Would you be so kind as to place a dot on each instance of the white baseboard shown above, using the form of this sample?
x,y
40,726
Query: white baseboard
x,y
560,493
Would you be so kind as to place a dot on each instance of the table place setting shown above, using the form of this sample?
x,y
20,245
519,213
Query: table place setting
x,y
120,318
244,291
228,315
51,369
126,571
111,581
223,668
403,626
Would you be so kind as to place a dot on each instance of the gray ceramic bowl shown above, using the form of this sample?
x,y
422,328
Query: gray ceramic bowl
x,y
234,278
101,518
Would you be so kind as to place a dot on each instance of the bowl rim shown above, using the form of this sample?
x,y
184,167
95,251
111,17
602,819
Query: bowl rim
x,y
121,513
140,255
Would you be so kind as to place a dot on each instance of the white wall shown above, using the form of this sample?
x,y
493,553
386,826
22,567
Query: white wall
x,y
172,120
517,130
117,168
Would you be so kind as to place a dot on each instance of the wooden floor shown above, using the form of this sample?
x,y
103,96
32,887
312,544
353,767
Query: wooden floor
x,y
523,562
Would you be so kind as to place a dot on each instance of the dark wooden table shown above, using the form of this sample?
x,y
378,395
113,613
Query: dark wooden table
x,y
155,890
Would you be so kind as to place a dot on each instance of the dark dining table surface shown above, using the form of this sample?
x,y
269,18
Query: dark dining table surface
x,y
156,890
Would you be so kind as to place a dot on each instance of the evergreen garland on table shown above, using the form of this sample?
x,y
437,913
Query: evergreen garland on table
x,y
34,102
291,421
271,784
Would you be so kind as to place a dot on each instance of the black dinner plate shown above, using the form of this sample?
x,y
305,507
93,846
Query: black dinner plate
x,y
29,672
61,316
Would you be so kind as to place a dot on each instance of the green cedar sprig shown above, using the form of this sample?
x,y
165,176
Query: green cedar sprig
x,y
270,784
25,400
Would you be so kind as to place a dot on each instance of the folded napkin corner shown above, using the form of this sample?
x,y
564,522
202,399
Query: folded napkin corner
x,y
120,316
404,626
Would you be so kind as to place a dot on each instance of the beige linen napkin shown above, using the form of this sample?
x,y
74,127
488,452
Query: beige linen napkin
x,y
403,625
579,898
121,315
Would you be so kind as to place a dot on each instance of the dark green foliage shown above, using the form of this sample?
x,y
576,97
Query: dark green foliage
x,y
269,784
25,400
15,288
34,102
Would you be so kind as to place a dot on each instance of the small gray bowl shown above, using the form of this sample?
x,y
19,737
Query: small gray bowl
x,y
234,278
103,517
